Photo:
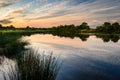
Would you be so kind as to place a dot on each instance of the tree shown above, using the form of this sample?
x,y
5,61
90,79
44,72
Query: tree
x,y
116,27
28,27
106,24
11,26
99,28
84,25
0,25
107,27
115,24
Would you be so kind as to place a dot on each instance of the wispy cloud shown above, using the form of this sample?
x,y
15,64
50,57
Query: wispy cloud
x,y
5,21
104,9
55,12
5,3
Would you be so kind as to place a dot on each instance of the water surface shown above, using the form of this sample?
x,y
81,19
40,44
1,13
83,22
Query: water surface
x,y
83,57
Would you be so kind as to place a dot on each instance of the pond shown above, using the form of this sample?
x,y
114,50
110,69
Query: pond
x,y
90,59
85,57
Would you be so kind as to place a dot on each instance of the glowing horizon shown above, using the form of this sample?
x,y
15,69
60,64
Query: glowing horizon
x,y
49,13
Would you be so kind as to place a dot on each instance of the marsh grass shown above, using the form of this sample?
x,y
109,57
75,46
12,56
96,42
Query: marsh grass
x,y
35,66
31,65
11,44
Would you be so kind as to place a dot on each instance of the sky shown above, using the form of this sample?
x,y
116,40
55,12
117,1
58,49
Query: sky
x,y
49,13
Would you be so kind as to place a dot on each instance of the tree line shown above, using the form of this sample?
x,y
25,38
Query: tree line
x,y
106,27
109,28
7,27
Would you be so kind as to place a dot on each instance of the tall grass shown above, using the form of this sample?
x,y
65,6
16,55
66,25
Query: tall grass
x,y
35,66
11,44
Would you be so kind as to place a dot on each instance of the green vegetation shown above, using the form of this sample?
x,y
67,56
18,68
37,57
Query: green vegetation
x,y
10,44
72,29
109,28
35,66
106,28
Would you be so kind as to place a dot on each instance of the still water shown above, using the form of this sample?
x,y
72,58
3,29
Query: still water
x,y
90,59
83,58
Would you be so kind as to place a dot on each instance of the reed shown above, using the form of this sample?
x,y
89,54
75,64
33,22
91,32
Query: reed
x,y
35,66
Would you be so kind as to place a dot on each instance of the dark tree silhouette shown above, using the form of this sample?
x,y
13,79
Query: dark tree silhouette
x,y
0,25
84,25
116,26
109,28
28,27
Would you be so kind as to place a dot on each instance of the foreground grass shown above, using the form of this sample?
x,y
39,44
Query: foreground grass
x,y
33,66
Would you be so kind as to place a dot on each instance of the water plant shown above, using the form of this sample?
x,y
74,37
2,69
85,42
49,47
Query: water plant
x,y
35,66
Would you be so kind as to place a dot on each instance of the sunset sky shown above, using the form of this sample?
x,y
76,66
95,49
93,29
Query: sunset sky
x,y
48,13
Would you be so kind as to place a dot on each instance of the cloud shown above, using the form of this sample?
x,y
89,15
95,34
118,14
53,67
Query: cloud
x,y
51,10
5,3
95,8
19,12
104,9
64,11
5,21
52,15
